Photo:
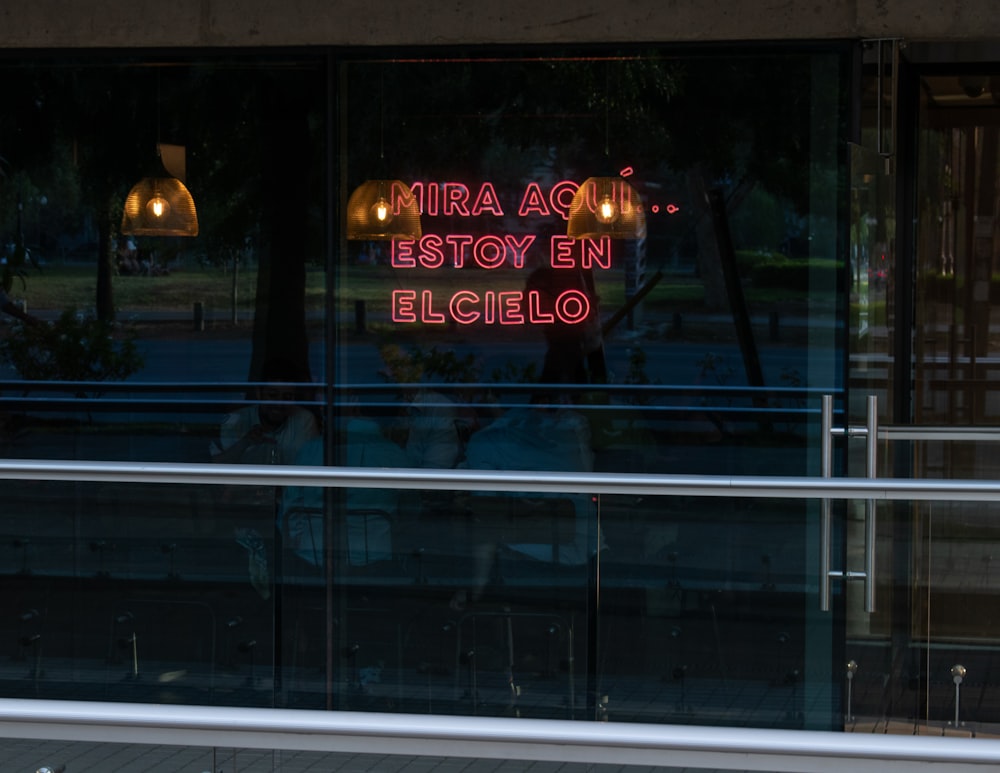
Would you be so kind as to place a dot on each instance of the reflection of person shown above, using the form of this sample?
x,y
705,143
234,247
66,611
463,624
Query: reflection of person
x,y
432,436
271,432
9,307
533,438
128,264
370,512
573,354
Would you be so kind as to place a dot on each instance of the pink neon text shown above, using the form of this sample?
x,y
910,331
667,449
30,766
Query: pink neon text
x,y
458,250
511,307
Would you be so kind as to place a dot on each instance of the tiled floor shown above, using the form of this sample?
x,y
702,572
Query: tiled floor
x,y
31,756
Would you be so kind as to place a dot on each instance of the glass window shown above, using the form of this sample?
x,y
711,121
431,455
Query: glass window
x,y
692,332
679,341
619,262
122,339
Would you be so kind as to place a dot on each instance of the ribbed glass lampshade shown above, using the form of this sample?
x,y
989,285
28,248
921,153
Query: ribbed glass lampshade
x,y
606,206
160,206
380,210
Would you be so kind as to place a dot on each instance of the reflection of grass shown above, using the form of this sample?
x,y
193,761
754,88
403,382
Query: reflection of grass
x,y
671,295
374,285
59,287
875,311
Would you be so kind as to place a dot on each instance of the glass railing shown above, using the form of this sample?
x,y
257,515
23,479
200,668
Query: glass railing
x,y
143,609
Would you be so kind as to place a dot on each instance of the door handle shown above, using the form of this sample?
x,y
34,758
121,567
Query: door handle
x,y
871,459
870,433
825,518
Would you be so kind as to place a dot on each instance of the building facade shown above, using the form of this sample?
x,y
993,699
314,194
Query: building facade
x,y
504,361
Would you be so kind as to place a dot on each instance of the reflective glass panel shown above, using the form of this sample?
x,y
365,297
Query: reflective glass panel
x,y
627,262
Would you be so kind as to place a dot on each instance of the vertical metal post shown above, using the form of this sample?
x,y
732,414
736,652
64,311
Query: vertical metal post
x,y
958,673
826,463
826,519
871,459
886,149
879,89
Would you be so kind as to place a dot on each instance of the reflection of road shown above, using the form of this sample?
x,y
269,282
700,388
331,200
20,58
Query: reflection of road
x,y
670,363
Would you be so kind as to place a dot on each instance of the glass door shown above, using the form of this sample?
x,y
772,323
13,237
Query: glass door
x,y
868,616
955,397
922,662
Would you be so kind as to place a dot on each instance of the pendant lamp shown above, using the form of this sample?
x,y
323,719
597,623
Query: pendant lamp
x,y
383,210
159,205
606,206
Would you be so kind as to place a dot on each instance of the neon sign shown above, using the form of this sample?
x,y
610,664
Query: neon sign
x,y
452,199
436,251
511,307
457,250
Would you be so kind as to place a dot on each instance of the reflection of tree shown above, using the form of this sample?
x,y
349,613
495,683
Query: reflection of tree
x,y
49,130
688,123
285,166
88,133
727,128
112,130
75,347
41,204
497,118
82,132
255,139
228,187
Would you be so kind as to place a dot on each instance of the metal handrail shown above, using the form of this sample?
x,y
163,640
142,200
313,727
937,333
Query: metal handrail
x,y
215,397
700,390
567,741
935,433
758,487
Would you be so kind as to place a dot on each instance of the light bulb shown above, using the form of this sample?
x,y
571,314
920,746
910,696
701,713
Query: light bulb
x,y
381,211
158,208
607,210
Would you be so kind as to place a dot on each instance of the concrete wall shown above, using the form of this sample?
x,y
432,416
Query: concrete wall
x,y
184,23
